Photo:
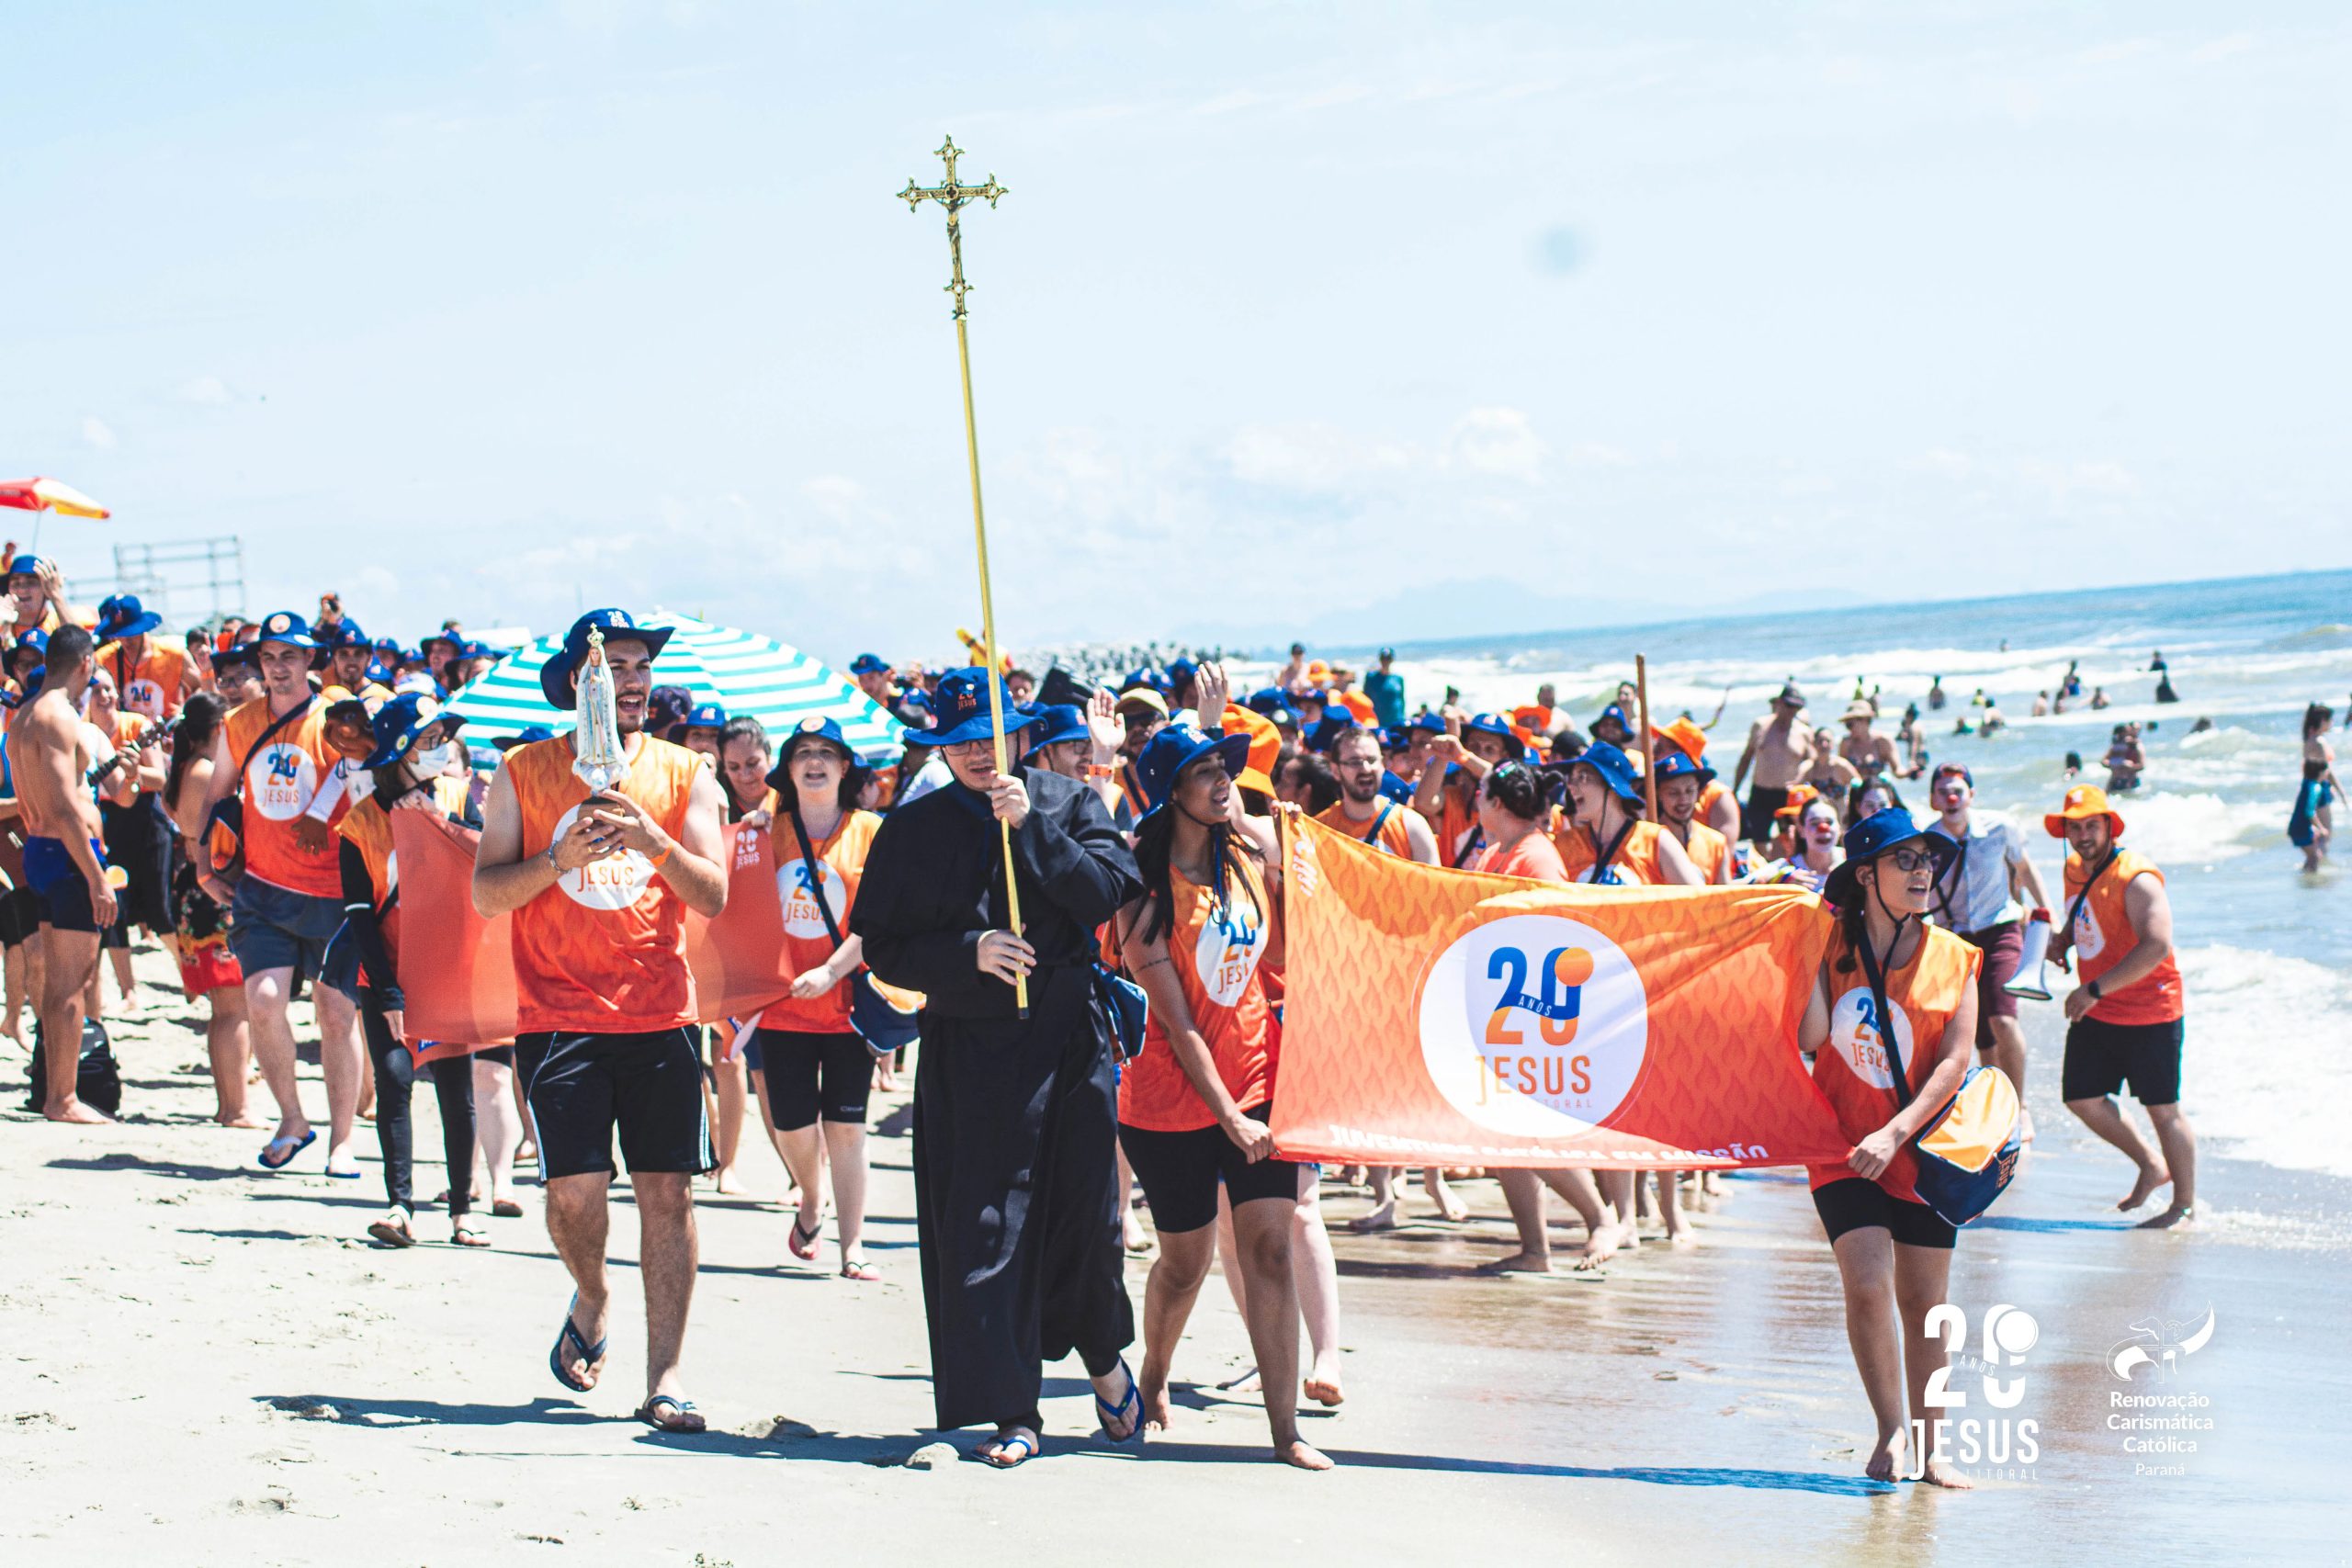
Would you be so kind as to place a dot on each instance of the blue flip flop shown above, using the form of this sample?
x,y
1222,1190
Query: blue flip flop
x,y
304,1141
1106,1413
592,1354
1028,1447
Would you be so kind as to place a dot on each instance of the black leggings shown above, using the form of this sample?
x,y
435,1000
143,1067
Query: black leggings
x,y
453,1083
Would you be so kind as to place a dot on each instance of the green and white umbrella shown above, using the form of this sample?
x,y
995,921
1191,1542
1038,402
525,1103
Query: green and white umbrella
x,y
742,672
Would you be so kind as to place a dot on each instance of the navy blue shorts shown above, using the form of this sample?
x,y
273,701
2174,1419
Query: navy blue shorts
x,y
275,928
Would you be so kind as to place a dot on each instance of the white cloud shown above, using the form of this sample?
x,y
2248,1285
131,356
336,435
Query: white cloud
x,y
1498,441
97,434
204,391
1313,455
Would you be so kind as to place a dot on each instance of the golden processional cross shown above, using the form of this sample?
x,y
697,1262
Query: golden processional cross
x,y
955,197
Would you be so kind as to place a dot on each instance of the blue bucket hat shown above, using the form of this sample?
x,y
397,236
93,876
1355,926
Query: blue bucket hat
x,y
31,684
1181,672
816,726
960,709
1615,768
399,722
1395,738
1396,789
1873,837
235,654
1328,730
525,736
348,635
1490,724
1428,723
25,565
1177,746
1146,676
1672,763
1057,721
122,615
707,716
34,638
1613,712
556,674
1266,700
286,626
868,664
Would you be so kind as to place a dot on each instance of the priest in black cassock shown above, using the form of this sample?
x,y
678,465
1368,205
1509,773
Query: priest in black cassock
x,y
1016,1119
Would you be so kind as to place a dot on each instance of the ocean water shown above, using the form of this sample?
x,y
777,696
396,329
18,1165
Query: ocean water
x,y
2265,950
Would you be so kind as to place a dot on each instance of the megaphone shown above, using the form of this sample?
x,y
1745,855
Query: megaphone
x,y
2033,979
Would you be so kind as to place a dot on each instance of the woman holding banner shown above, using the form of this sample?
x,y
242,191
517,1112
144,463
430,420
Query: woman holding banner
x,y
1606,841
817,1069
1193,1104
1887,970
408,769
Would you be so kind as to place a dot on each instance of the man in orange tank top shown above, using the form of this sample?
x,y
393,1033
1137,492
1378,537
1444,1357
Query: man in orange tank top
x,y
598,885
273,753
1365,813
2124,1021
153,677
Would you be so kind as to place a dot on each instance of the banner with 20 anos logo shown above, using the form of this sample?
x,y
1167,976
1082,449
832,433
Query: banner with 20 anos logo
x,y
1440,1017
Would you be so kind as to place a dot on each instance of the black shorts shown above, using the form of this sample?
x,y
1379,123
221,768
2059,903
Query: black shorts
x,y
1179,1173
649,1087
2100,1057
1756,814
138,839
1852,1204
19,916
814,1076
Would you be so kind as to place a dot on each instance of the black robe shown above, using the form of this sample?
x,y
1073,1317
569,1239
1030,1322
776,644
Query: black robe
x,y
1016,1121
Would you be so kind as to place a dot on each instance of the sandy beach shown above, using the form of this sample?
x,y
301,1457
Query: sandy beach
x,y
206,1364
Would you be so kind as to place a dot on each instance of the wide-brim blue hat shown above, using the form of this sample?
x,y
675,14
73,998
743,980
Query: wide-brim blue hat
x,y
706,716
1433,724
1328,730
556,674
348,635
286,626
1490,724
122,615
868,664
1266,700
1177,746
960,709
399,722
1615,768
1614,712
1873,837
1055,722
1671,763
25,565
528,735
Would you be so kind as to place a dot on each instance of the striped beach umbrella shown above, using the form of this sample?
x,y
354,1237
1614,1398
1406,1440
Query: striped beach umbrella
x,y
742,672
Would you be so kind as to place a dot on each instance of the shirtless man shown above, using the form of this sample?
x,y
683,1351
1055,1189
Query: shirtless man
x,y
1780,748
51,755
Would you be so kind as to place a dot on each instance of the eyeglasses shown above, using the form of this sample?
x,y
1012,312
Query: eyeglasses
x,y
1911,860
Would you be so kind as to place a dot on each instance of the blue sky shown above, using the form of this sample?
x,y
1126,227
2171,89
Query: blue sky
x,y
1360,320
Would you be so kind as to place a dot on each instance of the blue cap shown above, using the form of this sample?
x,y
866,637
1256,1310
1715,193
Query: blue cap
x,y
1328,729
25,565
1960,768
348,635
1057,721
31,684
388,645
1673,763
1266,700
286,626
1394,788
470,649
556,674
1873,837
1432,723
1182,670
1395,738
525,736
1146,676
1177,746
961,709
1615,768
122,615
868,664
399,722
234,655
34,638
707,715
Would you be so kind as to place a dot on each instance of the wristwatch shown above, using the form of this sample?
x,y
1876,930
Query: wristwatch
x,y
2093,989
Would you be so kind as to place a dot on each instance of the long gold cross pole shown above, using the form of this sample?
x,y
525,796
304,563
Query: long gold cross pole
x,y
954,198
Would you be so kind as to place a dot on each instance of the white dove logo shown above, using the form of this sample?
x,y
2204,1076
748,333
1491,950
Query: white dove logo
x,y
2159,1343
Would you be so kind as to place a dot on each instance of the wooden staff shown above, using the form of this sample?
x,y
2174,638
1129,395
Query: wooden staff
x,y
1642,699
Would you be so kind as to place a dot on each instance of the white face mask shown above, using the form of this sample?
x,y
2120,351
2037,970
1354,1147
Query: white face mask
x,y
432,762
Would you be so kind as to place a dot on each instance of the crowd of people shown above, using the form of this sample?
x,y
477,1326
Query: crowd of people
x,y
226,794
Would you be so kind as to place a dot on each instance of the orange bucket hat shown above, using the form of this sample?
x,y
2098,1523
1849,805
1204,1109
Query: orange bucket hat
x,y
1265,745
2083,802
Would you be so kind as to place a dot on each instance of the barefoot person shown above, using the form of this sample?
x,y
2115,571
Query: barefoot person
x,y
200,902
599,885
1193,1105
1015,1118
50,757
2124,1019
273,751
1893,1252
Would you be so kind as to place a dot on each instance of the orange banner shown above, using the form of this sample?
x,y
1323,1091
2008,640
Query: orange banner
x,y
460,981
1440,1017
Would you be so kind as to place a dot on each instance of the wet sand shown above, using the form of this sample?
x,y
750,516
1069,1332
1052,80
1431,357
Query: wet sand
x,y
205,1363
